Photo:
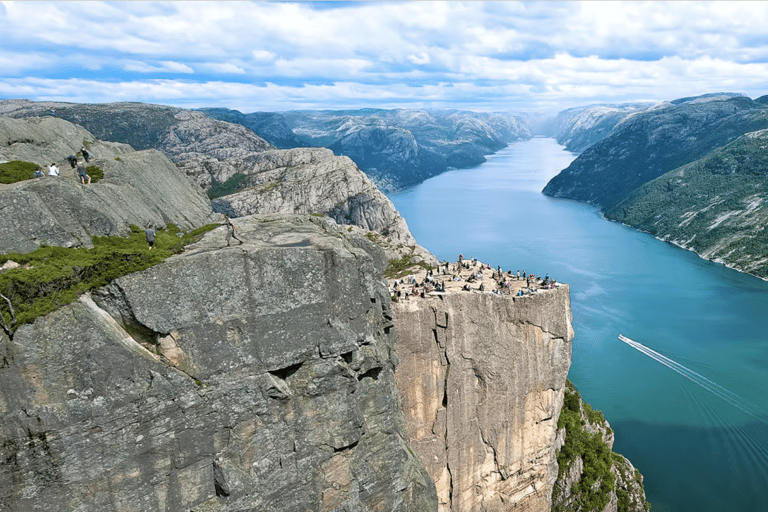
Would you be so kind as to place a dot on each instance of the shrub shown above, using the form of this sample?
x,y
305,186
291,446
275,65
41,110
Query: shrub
x,y
232,185
16,170
96,173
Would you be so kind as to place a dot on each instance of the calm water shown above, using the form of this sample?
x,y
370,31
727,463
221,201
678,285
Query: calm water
x,y
700,438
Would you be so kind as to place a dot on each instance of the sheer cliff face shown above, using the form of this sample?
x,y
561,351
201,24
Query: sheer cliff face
x,y
257,376
482,378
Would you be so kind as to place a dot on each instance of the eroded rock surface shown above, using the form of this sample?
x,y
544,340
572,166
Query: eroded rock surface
x,y
482,377
314,180
256,376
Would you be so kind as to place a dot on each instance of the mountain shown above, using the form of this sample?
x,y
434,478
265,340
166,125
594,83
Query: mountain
x,y
270,126
655,141
402,147
715,206
579,128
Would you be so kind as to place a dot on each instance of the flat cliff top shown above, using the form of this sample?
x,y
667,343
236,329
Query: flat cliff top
x,y
468,276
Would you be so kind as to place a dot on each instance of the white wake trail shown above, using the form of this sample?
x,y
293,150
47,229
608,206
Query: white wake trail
x,y
702,381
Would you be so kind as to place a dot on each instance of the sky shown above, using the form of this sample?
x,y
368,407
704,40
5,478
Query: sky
x,y
481,56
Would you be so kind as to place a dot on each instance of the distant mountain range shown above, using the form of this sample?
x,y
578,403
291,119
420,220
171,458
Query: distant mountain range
x,y
396,148
691,171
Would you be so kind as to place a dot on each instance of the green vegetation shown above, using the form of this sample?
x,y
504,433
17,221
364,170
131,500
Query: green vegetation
x,y
95,173
54,276
397,268
232,185
16,170
716,201
592,492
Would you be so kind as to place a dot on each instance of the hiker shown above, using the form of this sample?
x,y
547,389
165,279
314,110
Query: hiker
x,y
83,175
53,170
231,230
150,234
85,154
38,173
72,159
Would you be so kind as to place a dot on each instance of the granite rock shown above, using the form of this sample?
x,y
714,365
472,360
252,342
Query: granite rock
x,y
234,376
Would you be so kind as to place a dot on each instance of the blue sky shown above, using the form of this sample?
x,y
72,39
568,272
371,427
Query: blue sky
x,y
273,56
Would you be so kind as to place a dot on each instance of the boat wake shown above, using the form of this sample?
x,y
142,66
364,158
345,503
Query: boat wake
x,y
699,379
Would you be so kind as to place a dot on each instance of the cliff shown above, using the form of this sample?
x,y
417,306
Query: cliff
x,y
253,377
482,377
139,187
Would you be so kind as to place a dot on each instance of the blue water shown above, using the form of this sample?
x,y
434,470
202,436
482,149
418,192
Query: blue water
x,y
697,451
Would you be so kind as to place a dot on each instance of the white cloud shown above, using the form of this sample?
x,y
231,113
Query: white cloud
x,y
162,67
385,53
263,55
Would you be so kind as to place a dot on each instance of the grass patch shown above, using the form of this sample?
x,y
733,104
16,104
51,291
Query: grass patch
x,y
58,275
397,268
17,170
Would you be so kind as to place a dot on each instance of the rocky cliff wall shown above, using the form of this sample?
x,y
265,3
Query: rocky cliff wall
x,y
482,378
248,377
139,187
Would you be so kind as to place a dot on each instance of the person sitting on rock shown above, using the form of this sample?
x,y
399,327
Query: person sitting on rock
x,y
53,170
38,173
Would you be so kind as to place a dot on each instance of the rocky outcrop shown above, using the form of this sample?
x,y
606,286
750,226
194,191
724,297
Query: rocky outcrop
x,y
257,376
314,180
591,477
482,378
225,158
139,187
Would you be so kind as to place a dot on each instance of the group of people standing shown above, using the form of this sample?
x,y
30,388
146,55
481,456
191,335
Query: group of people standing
x,y
74,163
457,279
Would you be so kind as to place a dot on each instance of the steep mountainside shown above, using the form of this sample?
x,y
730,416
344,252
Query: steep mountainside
x,y
404,147
716,206
653,142
139,187
579,128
